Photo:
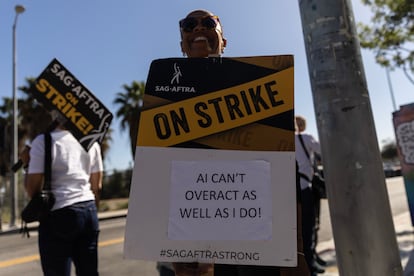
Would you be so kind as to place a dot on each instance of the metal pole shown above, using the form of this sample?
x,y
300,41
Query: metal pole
x,y
363,230
14,181
390,86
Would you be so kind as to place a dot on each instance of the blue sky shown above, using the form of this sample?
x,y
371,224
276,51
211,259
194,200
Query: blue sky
x,y
106,44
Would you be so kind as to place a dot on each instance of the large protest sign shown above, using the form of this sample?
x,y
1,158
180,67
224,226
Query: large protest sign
x,y
214,174
403,120
87,118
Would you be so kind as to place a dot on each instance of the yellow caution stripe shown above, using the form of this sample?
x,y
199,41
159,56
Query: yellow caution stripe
x,y
253,137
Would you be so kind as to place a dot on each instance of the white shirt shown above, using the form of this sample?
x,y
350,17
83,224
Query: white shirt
x,y
306,165
71,167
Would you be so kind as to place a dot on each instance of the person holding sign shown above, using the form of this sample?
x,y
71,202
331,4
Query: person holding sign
x,y
70,232
201,37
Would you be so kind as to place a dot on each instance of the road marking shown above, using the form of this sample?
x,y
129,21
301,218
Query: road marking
x,y
36,257
110,242
17,261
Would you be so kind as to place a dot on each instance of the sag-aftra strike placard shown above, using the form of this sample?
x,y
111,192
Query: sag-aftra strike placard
x,y
87,118
231,93
214,174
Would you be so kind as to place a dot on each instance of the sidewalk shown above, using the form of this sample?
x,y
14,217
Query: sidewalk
x,y
7,229
404,232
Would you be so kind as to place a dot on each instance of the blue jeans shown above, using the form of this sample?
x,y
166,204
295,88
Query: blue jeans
x,y
70,234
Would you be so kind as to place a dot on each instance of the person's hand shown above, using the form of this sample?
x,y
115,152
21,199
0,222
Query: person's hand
x,y
192,269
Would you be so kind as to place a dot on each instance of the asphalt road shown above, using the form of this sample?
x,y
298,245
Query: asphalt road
x,y
19,256
398,203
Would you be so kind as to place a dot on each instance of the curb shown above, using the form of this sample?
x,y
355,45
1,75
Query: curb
x,y
34,225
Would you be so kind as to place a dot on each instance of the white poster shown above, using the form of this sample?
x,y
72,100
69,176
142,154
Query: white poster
x,y
209,199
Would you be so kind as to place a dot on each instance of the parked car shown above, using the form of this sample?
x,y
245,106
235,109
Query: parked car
x,y
391,170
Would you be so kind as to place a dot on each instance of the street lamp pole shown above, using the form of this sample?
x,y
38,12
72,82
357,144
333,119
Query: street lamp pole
x,y
13,185
390,87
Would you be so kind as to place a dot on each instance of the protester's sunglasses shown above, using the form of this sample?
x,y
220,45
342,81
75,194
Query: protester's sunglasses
x,y
189,23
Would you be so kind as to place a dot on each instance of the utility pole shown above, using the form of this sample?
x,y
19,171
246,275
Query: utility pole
x,y
13,183
360,212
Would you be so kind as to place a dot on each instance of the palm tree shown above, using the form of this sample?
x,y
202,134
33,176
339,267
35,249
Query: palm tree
x,y
105,145
4,148
130,103
6,130
31,119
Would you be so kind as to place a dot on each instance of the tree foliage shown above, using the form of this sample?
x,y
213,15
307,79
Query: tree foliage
x,y
130,103
31,120
389,151
117,184
390,34
33,117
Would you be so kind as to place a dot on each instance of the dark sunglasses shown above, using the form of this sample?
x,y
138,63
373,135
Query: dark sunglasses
x,y
189,23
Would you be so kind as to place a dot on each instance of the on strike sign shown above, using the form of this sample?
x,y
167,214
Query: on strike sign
x,y
214,170
58,89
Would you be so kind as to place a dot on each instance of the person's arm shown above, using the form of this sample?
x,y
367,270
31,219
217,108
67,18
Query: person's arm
x,y
33,157
96,185
316,146
96,175
312,143
33,183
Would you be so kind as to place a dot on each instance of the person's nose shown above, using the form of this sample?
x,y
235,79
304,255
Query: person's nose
x,y
199,27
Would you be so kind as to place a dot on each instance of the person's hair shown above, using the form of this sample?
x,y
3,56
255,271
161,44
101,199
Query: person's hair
x,y
300,123
200,10
58,117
